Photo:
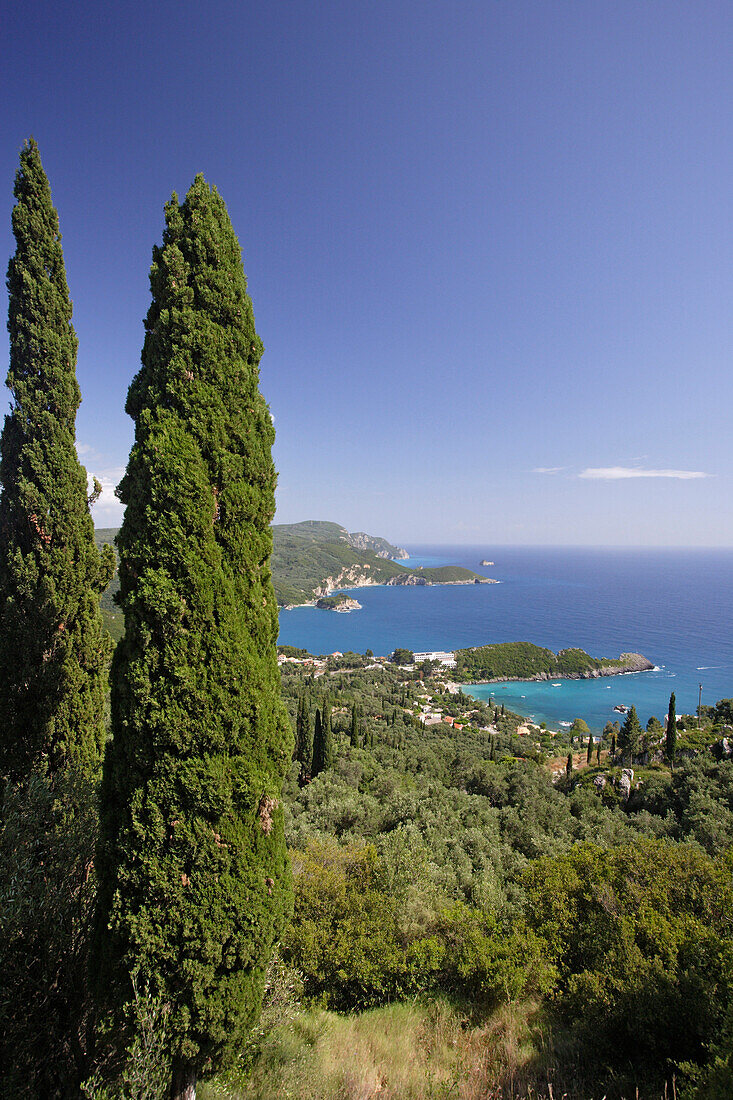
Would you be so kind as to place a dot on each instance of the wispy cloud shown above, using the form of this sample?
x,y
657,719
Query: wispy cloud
x,y
620,473
549,469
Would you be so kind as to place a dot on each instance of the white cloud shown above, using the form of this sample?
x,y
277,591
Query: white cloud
x,y
107,510
549,469
620,473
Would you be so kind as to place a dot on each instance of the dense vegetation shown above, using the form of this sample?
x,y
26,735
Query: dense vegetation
x,y
442,861
523,660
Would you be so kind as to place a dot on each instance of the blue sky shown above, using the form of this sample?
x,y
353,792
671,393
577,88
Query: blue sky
x,y
489,245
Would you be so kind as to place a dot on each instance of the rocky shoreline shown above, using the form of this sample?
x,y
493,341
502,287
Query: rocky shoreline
x,y
354,577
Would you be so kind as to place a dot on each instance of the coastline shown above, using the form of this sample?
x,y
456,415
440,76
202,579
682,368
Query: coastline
x,y
408,580
604,600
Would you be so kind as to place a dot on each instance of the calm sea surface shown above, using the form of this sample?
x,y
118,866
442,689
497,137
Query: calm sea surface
x,y
674,606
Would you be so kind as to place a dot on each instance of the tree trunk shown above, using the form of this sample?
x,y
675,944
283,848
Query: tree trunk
x,y
183,1085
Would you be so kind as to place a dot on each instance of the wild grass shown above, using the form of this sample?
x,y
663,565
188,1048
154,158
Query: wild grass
x,y
414,1051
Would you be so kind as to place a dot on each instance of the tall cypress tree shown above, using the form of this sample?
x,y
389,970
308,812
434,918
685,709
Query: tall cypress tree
x,y
670,743
193,875
317,759
324,750
303,751
53,647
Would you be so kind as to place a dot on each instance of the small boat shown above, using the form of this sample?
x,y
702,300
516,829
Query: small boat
x,y
556,685
621,708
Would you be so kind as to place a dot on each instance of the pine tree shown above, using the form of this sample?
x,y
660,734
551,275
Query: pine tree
x,y
671,735
53,647
193,875
629,738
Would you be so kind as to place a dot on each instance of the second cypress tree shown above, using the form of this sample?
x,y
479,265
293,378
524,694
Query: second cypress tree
x,y
194,886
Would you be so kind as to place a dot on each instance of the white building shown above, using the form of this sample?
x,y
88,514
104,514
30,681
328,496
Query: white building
x,y
447,659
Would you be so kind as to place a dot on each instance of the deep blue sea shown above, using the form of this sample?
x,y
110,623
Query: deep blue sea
x,y
674,606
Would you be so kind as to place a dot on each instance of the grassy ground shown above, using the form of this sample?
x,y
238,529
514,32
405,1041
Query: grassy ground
x,y
401,1052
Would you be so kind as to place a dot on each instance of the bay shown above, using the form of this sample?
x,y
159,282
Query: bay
x,y
674,606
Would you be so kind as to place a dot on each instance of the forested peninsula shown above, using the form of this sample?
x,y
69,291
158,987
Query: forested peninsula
x,y
525,661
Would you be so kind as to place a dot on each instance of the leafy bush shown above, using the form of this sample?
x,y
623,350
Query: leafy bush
x,y
641,938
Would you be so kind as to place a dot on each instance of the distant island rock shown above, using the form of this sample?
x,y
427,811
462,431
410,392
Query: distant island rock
x,y
339,602
485,562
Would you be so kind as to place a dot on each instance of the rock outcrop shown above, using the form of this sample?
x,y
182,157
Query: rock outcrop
x,y
359,540
625,782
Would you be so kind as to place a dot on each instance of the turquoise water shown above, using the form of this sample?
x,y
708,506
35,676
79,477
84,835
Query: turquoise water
x,y
674,606
592,700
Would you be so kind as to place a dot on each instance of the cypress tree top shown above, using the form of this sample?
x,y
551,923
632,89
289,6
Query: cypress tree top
x,y
629,738
53,649
194,888
671,734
